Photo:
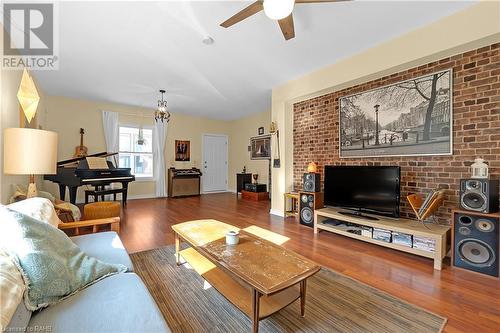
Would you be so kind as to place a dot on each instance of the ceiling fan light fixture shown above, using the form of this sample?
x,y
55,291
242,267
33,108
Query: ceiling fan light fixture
x,y
278,9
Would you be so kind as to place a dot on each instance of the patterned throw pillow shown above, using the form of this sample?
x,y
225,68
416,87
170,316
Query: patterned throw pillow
x,y
53,265
11,289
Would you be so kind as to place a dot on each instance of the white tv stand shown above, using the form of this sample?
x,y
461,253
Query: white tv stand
x,y
437,232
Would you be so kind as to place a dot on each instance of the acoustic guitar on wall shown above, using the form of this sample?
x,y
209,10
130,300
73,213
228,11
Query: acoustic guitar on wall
x,y
81,150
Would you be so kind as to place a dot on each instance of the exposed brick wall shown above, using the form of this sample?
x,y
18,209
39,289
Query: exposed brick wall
x,y
476,129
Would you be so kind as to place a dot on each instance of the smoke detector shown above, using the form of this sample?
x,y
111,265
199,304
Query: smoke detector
x,y
208,40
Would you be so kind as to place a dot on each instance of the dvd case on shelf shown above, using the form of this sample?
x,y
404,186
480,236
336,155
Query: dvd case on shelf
x,y
402,239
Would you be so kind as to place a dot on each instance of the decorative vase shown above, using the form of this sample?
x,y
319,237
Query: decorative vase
x,y
255,176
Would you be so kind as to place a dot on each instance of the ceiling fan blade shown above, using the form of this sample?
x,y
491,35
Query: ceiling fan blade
x,y
315,1
254,8
287,27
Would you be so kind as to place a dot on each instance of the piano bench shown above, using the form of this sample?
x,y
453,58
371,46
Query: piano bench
x,y
101,193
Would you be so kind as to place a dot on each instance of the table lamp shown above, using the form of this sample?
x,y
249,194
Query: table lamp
x,y
29,152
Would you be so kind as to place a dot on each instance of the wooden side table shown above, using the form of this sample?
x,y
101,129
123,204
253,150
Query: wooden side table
x,y
255,196
291,204
241,180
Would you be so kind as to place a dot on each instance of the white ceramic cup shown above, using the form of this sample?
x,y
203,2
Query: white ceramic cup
x,y
232,237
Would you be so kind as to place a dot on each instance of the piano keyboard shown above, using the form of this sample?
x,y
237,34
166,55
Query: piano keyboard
x,y
90,180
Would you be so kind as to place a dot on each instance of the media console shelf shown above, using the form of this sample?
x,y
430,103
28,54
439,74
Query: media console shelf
x,y
439,233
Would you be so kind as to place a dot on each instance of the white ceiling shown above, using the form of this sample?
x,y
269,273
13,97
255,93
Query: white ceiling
x,y
124,52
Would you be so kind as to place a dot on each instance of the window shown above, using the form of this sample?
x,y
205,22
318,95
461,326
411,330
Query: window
x,y
139,158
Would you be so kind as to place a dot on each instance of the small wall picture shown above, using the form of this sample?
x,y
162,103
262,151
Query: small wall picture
x,y
182,150
260,148
261,130
412,117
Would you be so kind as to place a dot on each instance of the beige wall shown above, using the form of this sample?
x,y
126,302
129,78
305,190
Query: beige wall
x,y
241,132
66,115
474,27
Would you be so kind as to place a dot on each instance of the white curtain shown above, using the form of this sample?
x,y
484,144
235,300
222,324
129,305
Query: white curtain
x,y
159,135
111,135
111,131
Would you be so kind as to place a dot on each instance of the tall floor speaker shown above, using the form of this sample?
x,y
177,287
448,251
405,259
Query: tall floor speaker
x,y
476,242
308,202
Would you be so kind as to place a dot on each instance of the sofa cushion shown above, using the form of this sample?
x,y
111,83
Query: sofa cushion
x,y
119,303
105,246
52,265
11,289
20,319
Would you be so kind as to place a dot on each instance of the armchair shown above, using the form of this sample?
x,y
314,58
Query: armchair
x,y
44,210
113,222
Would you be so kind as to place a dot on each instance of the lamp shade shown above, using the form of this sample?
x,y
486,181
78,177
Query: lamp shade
x,y
29,151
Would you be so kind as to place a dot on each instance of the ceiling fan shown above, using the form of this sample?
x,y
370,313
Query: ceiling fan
x,y
279,10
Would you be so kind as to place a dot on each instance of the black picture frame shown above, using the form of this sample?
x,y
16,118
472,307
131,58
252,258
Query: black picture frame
x,y
406,118
260,147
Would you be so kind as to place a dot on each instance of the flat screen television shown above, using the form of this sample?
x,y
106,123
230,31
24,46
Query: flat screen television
x,y
370,189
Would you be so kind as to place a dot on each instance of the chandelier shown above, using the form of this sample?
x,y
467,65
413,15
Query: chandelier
x,y
161,113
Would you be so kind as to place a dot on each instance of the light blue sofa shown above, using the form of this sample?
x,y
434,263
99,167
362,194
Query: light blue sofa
x,y
119,303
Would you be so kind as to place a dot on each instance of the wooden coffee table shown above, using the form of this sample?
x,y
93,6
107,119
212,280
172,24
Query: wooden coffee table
x,y
256,275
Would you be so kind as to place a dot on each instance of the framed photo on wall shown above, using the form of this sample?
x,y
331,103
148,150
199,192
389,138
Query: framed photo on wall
x,y
260,148
182,150
408,118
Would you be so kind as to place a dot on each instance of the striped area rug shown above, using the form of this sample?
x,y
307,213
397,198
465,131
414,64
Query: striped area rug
x,y
335,303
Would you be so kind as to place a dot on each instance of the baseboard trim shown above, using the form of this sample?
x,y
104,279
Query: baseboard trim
x,y
276,212
142,196
215,192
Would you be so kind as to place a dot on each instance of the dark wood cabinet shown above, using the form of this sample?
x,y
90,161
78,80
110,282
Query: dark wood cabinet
x,y
241,180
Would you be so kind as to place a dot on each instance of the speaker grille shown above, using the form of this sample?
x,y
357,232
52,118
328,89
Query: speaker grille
x,y
473,185
303,197
307,215
474,201
485,225
476,253
309,186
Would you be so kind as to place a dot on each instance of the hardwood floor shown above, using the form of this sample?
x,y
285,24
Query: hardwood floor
x,y
470,302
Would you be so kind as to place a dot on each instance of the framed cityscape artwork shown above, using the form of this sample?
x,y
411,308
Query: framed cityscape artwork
x,y
412,117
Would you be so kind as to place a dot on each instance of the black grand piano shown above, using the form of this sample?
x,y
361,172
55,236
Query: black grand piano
x,y
75,172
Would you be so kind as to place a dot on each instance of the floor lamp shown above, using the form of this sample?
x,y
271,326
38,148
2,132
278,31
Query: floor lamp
x,y
29,152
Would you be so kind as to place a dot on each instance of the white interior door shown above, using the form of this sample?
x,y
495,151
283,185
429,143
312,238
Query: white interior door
x,y
214,162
